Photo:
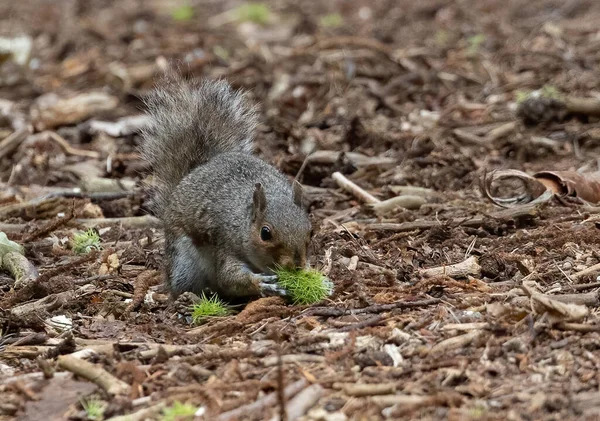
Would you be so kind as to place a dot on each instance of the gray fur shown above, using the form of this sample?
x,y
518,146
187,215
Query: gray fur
x,y
191,122
200,146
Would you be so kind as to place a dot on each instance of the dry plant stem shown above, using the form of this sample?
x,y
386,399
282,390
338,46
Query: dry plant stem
x,y
458,270
292,359
503,215
260,405
352,188
46,305
360,160
106,185
406,202
21,269
141,415
586,106
68,148
397,399
366,389
592,270
95,374
457,342
378,308
146,221
12,142
590,299
302,402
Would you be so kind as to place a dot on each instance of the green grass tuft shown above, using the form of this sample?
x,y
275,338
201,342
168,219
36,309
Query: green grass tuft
x,y
475,43
94,409
208,307
546,91
306,286
179,412
84,242
253,12
333,20
183,13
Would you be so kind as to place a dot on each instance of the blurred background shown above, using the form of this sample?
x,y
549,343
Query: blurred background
x,y
381,78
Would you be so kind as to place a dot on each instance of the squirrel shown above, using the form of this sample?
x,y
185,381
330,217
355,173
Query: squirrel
x,y
229,217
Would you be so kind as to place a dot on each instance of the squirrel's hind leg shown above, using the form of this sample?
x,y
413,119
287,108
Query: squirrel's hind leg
x,y
189,269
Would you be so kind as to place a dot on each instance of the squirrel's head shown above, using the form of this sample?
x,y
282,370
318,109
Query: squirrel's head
x,y
281,229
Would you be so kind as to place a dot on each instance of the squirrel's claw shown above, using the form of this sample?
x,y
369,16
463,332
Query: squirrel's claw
x,y
268,286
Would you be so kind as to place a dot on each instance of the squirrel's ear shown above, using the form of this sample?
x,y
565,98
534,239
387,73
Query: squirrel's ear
x,y
298,194
259,204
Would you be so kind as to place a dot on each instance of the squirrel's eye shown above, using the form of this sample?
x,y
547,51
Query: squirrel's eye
x,y
265,233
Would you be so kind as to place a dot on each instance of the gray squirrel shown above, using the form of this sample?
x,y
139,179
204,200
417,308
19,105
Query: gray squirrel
x,y
229,217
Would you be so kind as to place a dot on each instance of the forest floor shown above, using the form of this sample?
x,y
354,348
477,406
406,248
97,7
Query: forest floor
x,y
447,306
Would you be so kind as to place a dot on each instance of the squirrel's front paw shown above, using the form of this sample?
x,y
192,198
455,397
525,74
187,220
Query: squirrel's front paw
x,y
268,286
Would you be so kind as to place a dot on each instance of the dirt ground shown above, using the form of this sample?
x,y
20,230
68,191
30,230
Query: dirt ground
x,y
391,94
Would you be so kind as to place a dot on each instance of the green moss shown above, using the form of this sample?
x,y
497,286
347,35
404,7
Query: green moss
x,y
183,13
94,409
333,20
179,412
475,43
84,242
7,246
306,286
546,91
208,307
253,12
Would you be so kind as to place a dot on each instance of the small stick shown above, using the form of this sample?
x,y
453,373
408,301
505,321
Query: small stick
x,y
366,389
95,374
302,402
142,414
405,201
68,148
354,189
457,342
260,405
10,143
587,271
293,359
590,299
146,221
21,269
458,270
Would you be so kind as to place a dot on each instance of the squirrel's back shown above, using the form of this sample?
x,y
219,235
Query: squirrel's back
x,y
190,123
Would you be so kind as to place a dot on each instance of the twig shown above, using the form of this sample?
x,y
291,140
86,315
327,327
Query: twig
x,y
371,321
378,308
457,342
280,386
146,221
260,405
21,269
354,189
141,415
12,142
68,148
587,271
503,215
366,389
357,159
406,202
292,359
590,299
95,374
302,402
458,270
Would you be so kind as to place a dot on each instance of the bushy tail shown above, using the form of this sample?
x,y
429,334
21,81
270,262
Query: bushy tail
x,y
191,122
